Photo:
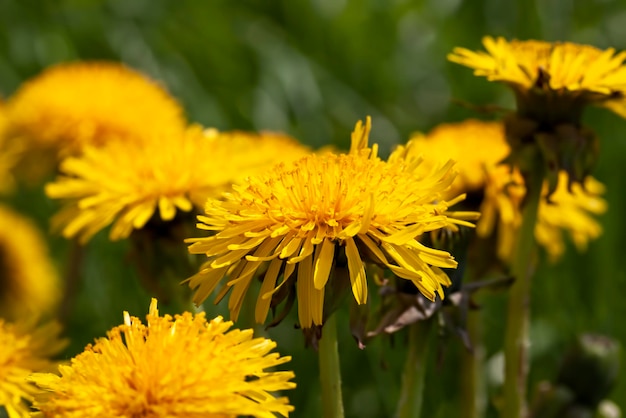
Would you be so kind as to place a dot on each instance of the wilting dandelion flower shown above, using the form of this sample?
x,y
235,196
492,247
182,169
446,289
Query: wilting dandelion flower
x,y
71,105
125,184
480,148
24,349
29,284
300,220
580,73
184,366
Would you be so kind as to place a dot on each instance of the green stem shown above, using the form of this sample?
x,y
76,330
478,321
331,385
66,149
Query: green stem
x,y
330,372
518,315
412,392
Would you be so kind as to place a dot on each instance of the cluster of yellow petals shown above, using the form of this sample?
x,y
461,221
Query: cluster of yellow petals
x,y
480,147
182,367
71,105
293,222
29,283
565,67
24,349
124,184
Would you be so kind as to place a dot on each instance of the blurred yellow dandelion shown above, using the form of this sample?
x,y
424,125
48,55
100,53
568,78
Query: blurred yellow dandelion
x,y
300,219
474,145
71,105
124,184
29,284
583,73
24,349
184,366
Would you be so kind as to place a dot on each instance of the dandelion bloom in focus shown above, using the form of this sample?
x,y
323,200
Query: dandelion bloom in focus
x,y
480,148
582,73
24,349
125,184
71,105
183,366
299,221
29,283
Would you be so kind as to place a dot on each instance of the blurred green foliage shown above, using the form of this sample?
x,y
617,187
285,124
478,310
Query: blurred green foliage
x,y
312,68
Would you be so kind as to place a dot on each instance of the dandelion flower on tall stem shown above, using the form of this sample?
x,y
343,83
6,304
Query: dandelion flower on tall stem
x,y
301,221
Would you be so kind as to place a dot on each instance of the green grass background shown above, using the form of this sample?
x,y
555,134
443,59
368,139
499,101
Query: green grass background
x,y
313,68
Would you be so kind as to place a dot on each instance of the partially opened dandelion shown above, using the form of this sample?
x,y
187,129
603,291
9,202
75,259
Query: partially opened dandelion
x,y
25,348
301,221
185,366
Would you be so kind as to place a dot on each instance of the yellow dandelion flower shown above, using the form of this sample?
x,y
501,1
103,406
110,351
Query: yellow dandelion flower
x,y
71,105
481,147
580,72
184,366
24,349
29,284
124,184
301,219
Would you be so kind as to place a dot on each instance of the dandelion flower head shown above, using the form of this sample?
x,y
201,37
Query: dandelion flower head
x,y
71,105
182,366
124,184
29,283
566,69
24,349
300,220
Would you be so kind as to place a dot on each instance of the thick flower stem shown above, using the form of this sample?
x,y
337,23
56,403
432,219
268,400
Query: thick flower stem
x,y
413,377
518,315
330,372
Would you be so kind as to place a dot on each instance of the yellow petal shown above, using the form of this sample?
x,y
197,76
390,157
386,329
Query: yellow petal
x,y
324,255
357,272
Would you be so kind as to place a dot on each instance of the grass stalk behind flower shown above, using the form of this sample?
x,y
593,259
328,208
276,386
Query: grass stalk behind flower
x,y
473,391
413,376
